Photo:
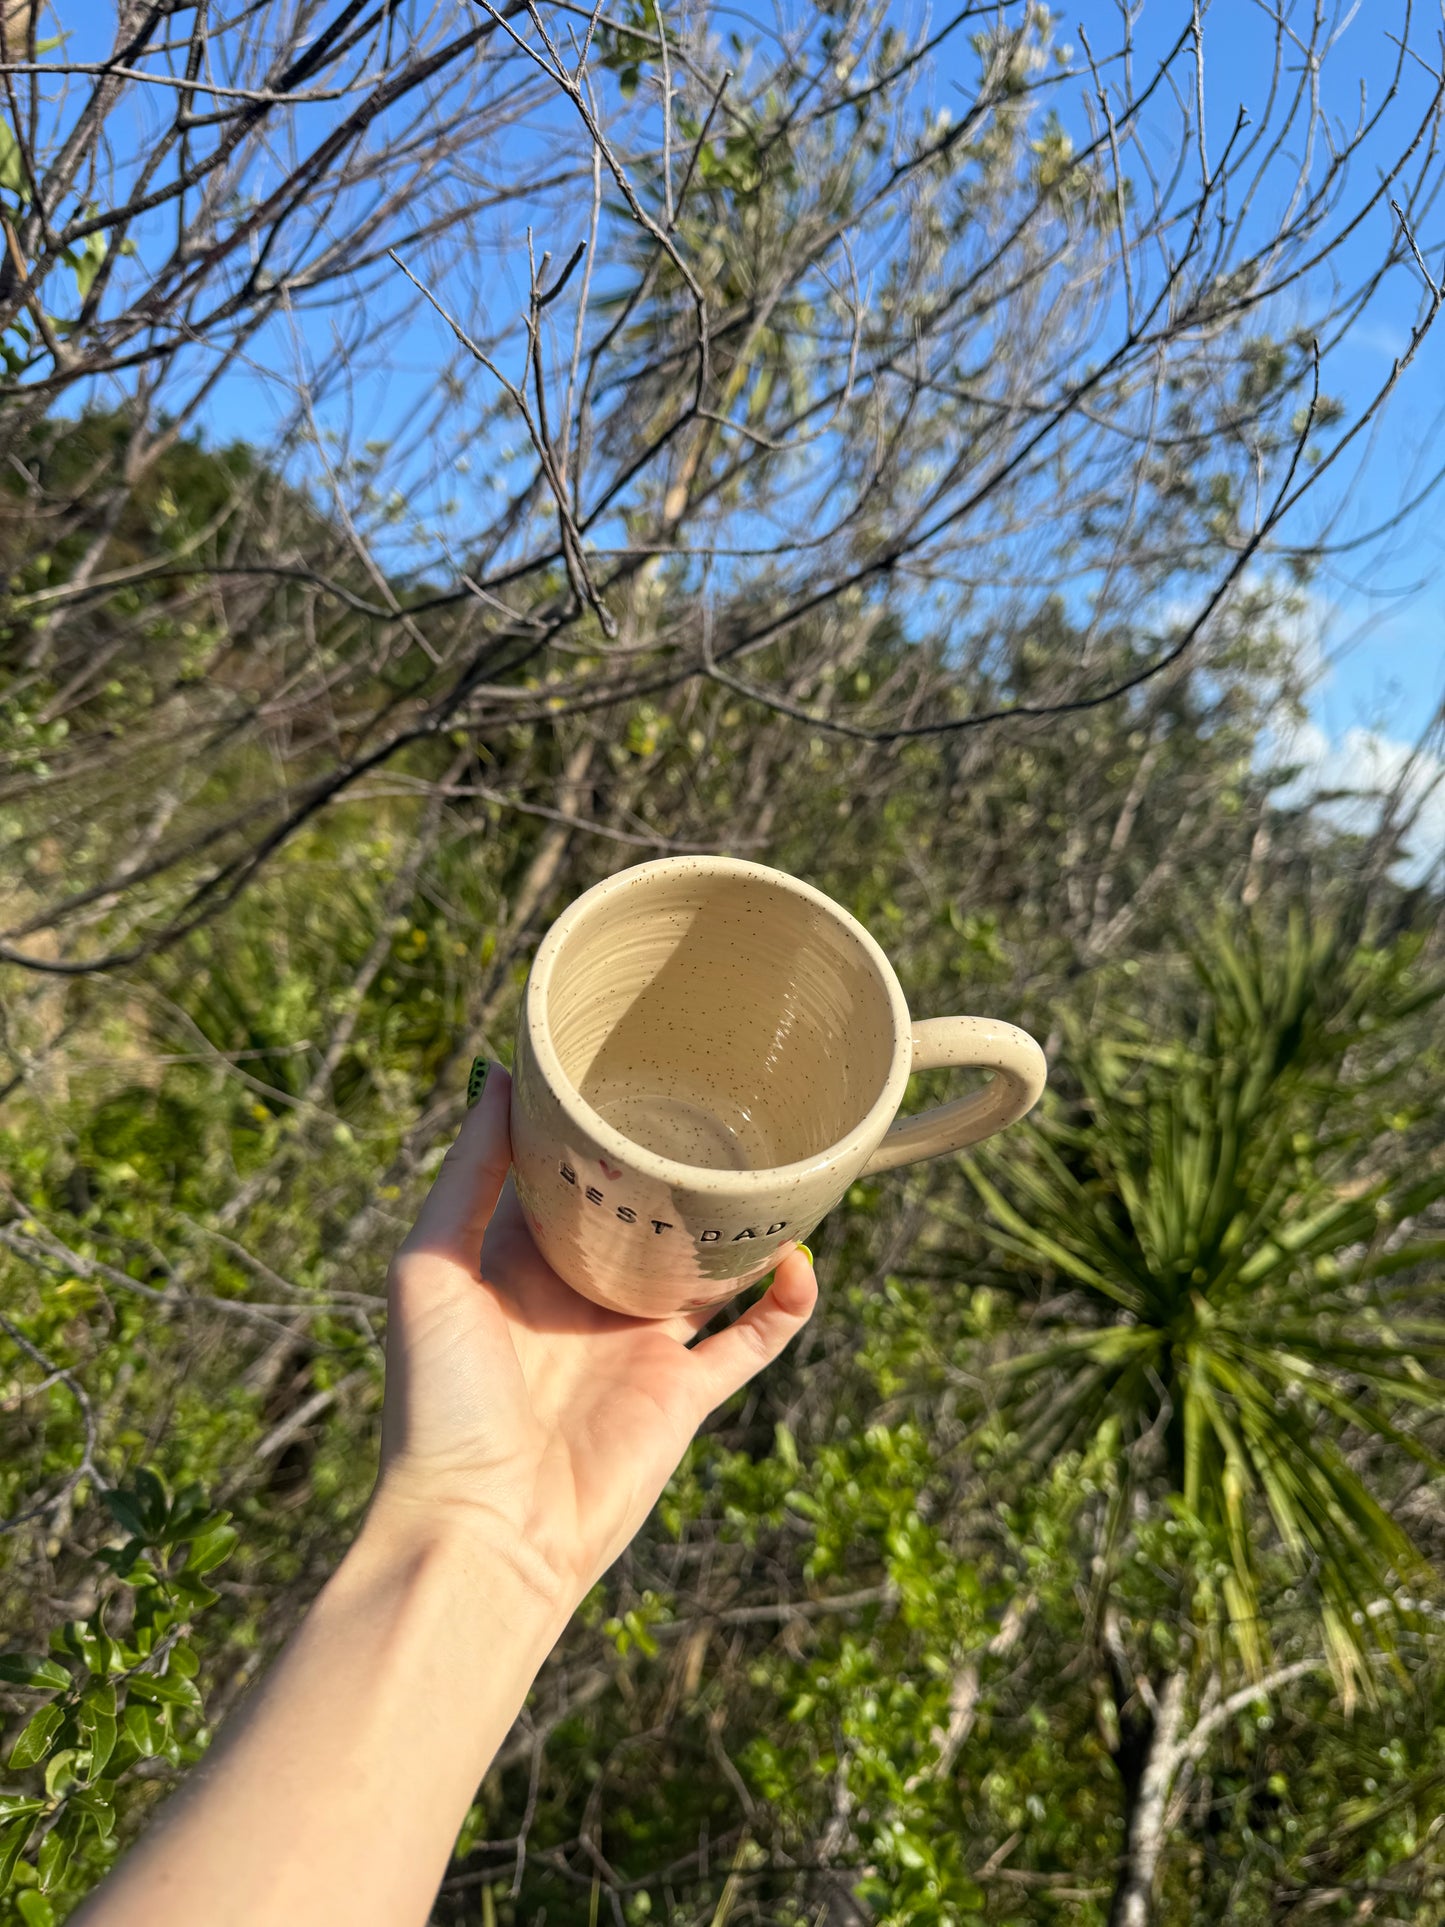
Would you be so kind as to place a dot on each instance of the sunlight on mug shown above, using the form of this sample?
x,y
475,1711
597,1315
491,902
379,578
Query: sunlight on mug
x,y
709,1053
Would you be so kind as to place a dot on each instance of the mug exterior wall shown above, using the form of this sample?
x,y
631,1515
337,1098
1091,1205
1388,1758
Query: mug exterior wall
x,y
636,1244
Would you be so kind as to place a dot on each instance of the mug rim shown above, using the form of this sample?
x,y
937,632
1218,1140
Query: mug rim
x,y
861,1139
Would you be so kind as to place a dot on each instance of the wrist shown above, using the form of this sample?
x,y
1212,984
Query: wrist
x,y
477,1545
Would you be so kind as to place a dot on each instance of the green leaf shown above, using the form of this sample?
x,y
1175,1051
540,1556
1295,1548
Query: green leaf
x,y
1111,1345
20,1669
123,1508
142,1727
97,1650
151,1502
15,1806
1032,1242
100,1695
60,1771
126,1561
97,1805
35,1909
211,1548
12,167
99,1730
34,1742
54,1855
165,1690
193,1592
191,1511
13,1839
88,263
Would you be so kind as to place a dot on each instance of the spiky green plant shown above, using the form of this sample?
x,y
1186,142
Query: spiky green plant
x,y
1231,1227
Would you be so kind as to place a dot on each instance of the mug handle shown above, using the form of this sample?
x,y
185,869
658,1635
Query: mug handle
x,y
972,1043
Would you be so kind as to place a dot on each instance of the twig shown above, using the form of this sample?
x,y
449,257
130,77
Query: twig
x,y
61,1375
281,1435
534,1781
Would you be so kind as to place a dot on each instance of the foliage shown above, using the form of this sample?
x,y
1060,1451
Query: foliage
x,y
119,1691
1238,1291
306,738
210,1157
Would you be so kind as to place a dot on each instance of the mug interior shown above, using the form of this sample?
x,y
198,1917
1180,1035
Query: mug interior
x,y
720,1019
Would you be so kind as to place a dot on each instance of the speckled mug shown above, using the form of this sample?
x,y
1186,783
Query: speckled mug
x,y
709,1053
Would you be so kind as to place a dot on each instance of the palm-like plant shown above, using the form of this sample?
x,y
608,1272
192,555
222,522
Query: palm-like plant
x,y
1234,1225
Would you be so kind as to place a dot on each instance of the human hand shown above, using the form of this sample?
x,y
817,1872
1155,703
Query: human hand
x,y
513,1400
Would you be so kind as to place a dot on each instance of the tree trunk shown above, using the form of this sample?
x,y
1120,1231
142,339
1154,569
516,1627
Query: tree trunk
x,y
1134,1894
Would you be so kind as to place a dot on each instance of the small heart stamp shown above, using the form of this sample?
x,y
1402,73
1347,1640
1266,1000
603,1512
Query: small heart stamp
x,y
613,1171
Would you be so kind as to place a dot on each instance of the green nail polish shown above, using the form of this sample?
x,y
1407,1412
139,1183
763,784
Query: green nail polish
x,y
476,1078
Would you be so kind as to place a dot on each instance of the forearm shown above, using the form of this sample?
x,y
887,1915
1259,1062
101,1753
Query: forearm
x,y
343,1784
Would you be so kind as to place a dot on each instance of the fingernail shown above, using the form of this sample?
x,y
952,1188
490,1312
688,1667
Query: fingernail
x,y
808,1255
476,1078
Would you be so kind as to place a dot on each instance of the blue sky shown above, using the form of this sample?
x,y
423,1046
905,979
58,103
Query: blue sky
x,y
1379,611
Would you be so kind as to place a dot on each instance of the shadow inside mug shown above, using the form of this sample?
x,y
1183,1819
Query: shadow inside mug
x,y
733,1027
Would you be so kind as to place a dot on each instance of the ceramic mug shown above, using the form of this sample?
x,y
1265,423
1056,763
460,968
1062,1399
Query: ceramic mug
x,y
709,1053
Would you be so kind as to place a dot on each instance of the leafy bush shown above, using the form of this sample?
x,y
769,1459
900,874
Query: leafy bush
x,y
117,1690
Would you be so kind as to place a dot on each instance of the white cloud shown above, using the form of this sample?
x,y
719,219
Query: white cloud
x,y
1348,777
1348,774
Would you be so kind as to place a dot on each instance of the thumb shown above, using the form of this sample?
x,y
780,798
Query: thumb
x,y
724,1363
464,1195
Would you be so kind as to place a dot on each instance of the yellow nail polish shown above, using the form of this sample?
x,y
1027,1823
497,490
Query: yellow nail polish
x,y
808,1255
